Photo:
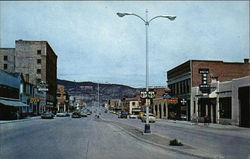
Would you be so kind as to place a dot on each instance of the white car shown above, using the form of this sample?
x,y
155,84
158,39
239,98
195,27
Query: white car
x,y
133,116
151,118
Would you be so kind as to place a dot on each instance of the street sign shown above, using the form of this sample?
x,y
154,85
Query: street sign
x,y
143,95
149,94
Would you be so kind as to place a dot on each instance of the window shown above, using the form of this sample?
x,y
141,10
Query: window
x,y
5,66
39,52
5,58
39,61
38,71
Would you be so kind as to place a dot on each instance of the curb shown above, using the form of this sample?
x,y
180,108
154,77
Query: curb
x,y
160,145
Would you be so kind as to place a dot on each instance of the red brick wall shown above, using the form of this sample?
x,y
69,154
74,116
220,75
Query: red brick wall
x,y
224,71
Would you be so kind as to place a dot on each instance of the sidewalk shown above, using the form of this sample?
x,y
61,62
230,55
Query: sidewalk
x,y
19,120
209,125
160,141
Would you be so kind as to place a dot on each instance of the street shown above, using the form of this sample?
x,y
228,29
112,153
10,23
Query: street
x,y
82,138
229,143
91,138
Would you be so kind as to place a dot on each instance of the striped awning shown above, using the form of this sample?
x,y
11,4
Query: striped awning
x,y
13,103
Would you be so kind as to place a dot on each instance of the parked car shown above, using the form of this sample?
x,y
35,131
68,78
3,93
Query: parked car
x,y
61,114
47,115
124,115
133,116
151,118
141,114
76,115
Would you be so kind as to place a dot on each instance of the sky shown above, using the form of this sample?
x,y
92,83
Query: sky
x,y
94,44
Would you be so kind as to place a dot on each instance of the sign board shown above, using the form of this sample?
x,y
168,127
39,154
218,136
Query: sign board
x,y
42,86
173,100
204,86
43,89
34,100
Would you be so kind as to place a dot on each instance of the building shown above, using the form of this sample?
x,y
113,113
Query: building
x,y
132,105
37,61
62,99
228,102
11,93
199,73
7,59
159,106
115,104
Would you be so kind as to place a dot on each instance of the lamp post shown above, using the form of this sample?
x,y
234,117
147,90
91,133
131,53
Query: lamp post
x,y
146,22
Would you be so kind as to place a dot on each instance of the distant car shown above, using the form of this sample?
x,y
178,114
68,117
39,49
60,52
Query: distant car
x,y
151,118
133,116
76,115
89,113
62,114
47,115
105,111
141,114
83,114
183,117
124,115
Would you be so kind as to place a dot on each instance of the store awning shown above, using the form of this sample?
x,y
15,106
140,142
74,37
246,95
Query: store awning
x,y
13,103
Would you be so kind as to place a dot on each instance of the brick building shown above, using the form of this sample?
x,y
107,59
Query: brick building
x,y
62,99
187,75
37,61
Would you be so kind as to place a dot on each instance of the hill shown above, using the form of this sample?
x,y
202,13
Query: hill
x,y
88,91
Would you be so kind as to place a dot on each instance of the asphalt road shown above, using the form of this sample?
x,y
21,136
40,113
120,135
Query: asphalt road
x,y
230,143
70,138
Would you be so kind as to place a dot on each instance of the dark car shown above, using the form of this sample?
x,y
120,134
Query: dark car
x,y
124,115
76,115
47,115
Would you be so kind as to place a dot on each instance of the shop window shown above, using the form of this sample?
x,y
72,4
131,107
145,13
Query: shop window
x,y
225,108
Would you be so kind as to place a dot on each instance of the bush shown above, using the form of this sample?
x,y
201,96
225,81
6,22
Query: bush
x,y
175,142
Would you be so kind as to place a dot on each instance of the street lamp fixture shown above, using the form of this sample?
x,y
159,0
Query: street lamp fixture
x,y
146,21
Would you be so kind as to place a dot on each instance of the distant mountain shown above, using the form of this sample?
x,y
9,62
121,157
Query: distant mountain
x,y
88,91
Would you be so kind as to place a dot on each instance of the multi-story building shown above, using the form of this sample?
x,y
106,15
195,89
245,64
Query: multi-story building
x,y
37,61
195,73
7,59
62,99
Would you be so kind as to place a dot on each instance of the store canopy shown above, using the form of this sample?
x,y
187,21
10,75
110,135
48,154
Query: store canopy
x,y
13,103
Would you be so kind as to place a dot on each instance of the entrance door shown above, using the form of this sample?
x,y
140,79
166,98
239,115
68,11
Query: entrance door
x,y
244,103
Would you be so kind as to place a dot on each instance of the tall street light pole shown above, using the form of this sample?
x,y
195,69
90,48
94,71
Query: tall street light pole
x,y
146,22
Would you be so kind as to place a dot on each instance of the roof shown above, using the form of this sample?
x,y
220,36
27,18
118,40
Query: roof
x,y
12,102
